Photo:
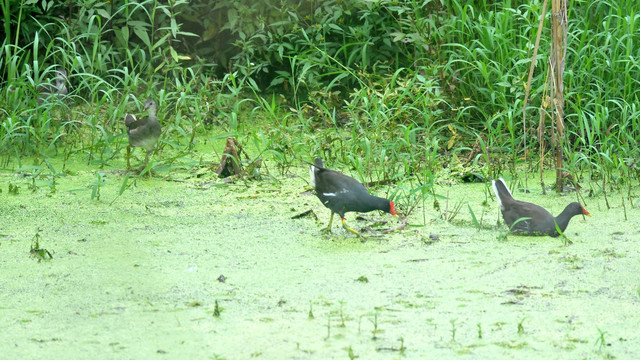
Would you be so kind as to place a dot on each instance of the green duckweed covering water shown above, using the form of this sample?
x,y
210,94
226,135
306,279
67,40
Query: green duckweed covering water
x,y
140,278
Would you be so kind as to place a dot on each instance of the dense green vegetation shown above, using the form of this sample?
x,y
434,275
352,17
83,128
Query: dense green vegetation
x,y
393,89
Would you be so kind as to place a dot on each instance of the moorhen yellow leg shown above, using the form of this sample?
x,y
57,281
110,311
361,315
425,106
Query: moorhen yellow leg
x,y
328,228
344,225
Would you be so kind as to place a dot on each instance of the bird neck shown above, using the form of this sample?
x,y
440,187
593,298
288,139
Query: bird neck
x,y
563,219
378,203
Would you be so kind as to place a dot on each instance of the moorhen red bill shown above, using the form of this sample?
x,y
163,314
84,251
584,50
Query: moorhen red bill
x,y
144,132
341,194
540,222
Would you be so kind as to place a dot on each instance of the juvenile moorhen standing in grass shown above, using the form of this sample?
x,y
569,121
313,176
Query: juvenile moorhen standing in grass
x,y
49,91
341,194
541,222
143,133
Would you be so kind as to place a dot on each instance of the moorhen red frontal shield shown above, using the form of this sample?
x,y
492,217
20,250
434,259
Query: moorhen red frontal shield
x,y
538,221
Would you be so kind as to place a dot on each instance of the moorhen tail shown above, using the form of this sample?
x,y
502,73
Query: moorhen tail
x,y
540,221
341,194
49,91
143,133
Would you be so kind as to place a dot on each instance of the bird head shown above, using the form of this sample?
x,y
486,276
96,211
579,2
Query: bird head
x,y
149,104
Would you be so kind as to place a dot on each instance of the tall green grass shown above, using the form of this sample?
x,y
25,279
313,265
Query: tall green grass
x,y
393,91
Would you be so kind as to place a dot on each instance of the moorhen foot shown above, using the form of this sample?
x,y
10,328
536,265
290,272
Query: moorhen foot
x,y
538,221
143,133
341,194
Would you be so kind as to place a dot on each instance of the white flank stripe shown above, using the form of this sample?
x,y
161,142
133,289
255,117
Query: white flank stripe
x,y
329,194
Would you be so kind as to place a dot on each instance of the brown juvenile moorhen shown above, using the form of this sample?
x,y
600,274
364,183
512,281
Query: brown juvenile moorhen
x,y
541,222
143,133
341,194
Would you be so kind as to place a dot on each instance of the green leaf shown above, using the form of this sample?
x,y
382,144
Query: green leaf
x,y
186,33
253,84
174,54
517,221
160,42
124,31
281,51
104,13
277,81
123,187
142,35
159,66
174,27
165,10
473,218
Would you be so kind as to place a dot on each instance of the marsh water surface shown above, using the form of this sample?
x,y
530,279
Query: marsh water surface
x,y
141,277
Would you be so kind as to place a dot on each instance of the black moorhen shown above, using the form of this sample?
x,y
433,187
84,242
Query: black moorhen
x,y
49,91
541,222
143,133
341,194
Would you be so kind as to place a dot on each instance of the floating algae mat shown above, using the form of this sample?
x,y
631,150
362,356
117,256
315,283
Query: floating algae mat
x,y
197,268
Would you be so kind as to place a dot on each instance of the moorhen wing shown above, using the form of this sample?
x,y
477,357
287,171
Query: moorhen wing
x,y
341,194
49,91
144,132
540,221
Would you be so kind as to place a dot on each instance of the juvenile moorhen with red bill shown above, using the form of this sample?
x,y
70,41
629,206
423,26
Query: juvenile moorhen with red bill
x,y
540,222
341,193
